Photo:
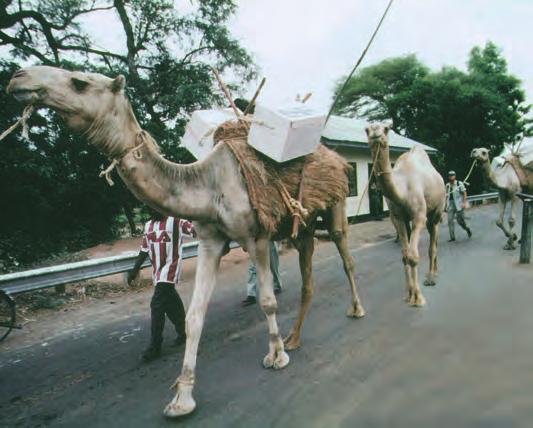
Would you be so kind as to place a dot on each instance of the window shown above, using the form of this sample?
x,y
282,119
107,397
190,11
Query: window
x,y
352,180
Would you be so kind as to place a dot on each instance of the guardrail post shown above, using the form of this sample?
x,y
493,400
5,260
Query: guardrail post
x,y
525,246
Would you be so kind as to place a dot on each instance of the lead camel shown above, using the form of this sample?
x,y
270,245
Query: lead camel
x,y
211,192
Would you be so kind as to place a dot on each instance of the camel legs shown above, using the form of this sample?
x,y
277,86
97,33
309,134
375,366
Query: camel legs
x,y
306,248
433,229
410,258
338,230
259,251
209,253
511,237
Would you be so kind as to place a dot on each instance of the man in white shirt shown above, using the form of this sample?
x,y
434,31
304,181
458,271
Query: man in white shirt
x,y
162,243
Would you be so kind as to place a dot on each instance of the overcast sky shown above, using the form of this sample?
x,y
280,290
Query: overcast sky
x,y
305,45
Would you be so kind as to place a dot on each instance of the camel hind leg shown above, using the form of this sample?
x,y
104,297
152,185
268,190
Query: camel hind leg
x,y
338,230
305,248
433,229
259,251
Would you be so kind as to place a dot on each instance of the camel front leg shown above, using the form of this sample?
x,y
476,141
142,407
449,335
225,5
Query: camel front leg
x,y
415,293
338,231
403,236
259,251
210,252
433,229
306,249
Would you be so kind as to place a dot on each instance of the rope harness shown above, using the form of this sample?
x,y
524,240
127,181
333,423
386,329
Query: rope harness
x,y
141,135
28,110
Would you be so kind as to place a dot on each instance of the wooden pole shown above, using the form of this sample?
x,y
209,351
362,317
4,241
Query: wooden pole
x,y
226,92
527,220
252,102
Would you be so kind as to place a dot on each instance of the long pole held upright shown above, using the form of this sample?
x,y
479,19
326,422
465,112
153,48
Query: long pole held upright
x,y
358,62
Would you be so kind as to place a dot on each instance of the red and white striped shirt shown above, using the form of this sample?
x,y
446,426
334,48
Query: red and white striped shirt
x,y
162,240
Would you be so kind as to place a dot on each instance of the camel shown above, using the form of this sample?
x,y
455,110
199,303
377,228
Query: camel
x,y
415,195
502,175
211,192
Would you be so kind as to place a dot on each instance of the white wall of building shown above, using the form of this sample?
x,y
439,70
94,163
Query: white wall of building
x,y
362,158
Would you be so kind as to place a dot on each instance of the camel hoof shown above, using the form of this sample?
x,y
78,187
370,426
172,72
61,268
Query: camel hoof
x,y
358,312
291,344
175,409
509,247
417,301
281,361
430,282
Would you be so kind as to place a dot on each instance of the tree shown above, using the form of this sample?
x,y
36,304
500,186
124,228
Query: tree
x,y
451,110
55,200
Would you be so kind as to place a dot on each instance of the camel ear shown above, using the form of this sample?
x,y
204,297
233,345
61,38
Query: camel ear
x,y
118,83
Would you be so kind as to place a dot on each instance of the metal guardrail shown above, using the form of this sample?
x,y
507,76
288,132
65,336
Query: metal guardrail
x,y
36,279
482,197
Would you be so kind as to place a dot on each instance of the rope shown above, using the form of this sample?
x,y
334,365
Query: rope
x,y
469,173
358,62
28,110
372,173
135,150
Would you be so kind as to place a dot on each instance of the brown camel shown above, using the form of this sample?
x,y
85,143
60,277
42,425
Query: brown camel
x,y
415,194
212,193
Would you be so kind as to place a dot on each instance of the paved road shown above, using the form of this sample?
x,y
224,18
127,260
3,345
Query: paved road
x,y
465,360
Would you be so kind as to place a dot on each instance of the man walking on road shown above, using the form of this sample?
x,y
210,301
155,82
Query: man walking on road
x,y
162,242
456,202
251,289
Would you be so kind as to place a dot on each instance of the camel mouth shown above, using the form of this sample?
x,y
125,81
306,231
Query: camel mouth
x,y
25,95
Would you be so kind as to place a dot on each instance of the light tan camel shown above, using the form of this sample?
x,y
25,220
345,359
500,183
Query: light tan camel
x,y
212,193
502,176
415,195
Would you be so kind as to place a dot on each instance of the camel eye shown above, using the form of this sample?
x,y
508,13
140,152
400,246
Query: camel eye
x,y
79,85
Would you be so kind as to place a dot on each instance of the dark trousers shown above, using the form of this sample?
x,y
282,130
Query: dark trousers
x,y
166,301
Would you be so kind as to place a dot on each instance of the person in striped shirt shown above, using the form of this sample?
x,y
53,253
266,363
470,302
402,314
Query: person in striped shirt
x,y
162,243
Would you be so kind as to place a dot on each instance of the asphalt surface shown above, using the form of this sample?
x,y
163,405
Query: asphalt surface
x,y
464,360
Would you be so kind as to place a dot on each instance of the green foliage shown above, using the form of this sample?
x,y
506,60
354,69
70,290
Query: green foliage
x,y
451,110
52,198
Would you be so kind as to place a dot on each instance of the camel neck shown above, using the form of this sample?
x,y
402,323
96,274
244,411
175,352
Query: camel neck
x,y
487,170
170,188
384,176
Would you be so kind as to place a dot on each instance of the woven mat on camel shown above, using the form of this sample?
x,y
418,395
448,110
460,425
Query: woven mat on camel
x,y
325,178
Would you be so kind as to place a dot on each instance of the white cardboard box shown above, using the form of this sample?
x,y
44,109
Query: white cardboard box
x,y
198,138
286,133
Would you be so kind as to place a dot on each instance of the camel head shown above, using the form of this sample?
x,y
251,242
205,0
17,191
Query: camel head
x,y
481,154
80,98
378,136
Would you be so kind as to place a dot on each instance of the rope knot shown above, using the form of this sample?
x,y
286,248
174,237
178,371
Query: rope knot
x,y
137,154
